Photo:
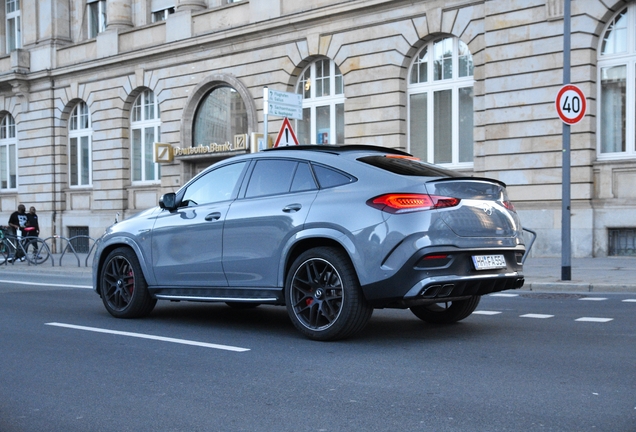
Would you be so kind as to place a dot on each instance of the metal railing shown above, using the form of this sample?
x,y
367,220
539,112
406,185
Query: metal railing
x,y
66,246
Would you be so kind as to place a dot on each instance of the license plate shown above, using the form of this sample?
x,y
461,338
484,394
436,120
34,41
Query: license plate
x,y
488,262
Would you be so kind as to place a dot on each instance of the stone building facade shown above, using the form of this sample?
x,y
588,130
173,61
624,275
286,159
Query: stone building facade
x,y
88,86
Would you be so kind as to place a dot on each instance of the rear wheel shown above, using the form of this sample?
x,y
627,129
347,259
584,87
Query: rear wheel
x,y
37,251
323,295
447,312
123,287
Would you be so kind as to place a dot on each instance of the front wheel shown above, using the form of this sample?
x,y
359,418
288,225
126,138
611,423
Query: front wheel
x,y
323,295
447,312
123,287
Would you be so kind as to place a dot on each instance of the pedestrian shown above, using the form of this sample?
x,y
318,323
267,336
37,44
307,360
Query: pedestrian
x,y
32,230
17,222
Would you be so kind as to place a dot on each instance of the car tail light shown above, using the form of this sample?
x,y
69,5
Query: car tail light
x,y
405,202
509,206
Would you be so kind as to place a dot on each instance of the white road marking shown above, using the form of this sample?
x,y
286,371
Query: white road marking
x,y
503,295
593,298
630,300
539,316
145,336
591,319
46,284
485,312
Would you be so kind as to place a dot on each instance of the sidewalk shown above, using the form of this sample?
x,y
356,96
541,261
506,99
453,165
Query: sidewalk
x,y
609,274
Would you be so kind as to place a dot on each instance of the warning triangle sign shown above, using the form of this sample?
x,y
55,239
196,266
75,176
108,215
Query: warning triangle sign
x,y
286,135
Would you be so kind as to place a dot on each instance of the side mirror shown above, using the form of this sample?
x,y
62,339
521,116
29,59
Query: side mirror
x,y
168,201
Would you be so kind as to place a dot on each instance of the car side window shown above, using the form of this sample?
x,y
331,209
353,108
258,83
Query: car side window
x,y
303,179
271,176
215,186
328,177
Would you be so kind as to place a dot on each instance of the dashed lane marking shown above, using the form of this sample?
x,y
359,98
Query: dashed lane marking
x,y
152,337
538,316
485,312
629,300
592,319
504,295
593,298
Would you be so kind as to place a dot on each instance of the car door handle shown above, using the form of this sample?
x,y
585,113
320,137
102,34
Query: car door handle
x,y
292,208
213,216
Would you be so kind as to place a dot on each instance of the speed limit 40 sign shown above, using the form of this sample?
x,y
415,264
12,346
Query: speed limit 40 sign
x,y
571,104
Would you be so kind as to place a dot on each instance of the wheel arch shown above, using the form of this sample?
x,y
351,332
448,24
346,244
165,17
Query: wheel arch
x,y
310,240
110,246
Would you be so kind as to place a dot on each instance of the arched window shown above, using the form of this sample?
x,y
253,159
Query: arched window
x,y
440,103
145,125
80,137
8,154
220,116
322,88
616,75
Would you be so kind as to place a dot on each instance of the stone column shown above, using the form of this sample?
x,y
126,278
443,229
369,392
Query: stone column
x,y
193,5
118,14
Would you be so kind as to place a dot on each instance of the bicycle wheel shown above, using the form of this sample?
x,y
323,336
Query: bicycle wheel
x,y
37,251
4,252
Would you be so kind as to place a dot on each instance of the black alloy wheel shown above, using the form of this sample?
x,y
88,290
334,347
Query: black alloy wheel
x,y
323,295
123,287
447,312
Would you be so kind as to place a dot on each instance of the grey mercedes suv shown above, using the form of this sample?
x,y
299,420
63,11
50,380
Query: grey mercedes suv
x,y
331,232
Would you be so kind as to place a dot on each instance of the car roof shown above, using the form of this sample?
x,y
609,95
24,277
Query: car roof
x,y
341,149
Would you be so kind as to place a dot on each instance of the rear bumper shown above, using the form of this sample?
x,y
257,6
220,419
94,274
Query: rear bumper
x,y
452,279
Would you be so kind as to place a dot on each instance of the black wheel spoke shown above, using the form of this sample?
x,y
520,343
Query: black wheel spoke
x,y
317,294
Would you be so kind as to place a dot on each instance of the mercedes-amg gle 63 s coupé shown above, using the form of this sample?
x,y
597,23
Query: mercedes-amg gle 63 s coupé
x,y
331,232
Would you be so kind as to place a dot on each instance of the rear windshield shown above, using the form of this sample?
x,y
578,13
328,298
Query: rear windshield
x,y
408,166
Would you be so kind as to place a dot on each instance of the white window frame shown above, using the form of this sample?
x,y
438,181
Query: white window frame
x,y
140,120
8,140
625,58
455,83
94,28
79,115
162,15
12,13
336,97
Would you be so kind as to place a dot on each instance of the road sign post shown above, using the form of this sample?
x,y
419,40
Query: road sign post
x,y
282,104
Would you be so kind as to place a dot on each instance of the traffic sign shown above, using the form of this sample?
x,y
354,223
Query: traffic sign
x,y
284,104
571,104
286,135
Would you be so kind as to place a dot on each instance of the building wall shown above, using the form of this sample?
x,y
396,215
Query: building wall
x,y
517,52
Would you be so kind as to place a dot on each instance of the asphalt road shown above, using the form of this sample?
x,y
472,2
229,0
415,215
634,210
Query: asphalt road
x,y
531,362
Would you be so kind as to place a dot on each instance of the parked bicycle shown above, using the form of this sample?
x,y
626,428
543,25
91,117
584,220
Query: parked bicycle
x,y
13,248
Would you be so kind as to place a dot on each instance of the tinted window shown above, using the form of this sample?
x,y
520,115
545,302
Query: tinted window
x,y
408,166
303,179
217,185
271,176
328,177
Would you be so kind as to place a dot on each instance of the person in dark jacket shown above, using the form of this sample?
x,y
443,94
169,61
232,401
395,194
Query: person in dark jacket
x,y
31,229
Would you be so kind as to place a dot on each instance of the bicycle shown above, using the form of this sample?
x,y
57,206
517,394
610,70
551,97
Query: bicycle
x,y
12,247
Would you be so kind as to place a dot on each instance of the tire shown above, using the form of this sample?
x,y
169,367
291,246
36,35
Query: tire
x,y
37,251
323,296
123,288
242,305
446,313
